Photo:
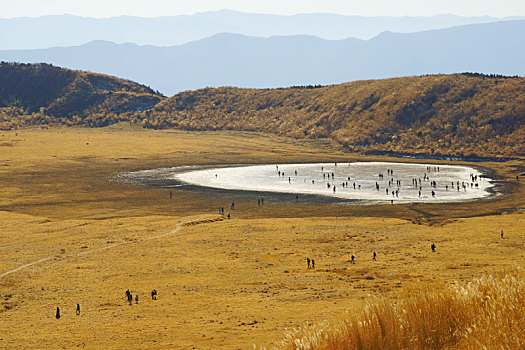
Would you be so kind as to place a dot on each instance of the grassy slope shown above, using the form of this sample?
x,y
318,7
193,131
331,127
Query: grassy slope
x,y
47,95
444,114
460,115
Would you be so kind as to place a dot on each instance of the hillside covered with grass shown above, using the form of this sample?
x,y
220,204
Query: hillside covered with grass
x,y
42,94
461,114
468,115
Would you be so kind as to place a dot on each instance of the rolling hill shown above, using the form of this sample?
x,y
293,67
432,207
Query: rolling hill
x,y
236,60
469,115
458,115
41,94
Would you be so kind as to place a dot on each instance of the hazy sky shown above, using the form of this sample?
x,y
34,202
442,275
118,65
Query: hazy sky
x,y
153,8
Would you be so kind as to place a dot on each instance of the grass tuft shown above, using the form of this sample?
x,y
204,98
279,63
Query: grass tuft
x,y
487,313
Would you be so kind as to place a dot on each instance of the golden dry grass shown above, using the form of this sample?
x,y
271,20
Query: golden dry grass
x,y
457,114
74,235
487,313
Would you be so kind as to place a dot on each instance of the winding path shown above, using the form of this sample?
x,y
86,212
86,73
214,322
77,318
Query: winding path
x,y
186,221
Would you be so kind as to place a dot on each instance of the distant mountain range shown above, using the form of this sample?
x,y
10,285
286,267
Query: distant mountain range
x,y
66,30
237,60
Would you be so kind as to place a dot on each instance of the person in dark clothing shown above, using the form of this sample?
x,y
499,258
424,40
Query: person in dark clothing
x,y
78,309
433,247
374,256
308,262
136,299
313,264
58,313
352,259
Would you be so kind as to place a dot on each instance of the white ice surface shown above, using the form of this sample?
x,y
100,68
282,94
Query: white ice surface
x,y
265,178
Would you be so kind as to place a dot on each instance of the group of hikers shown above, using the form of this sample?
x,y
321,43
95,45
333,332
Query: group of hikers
x,y
329,176
58,315
436,169
129,296
433,184
232,207
329,179
311,262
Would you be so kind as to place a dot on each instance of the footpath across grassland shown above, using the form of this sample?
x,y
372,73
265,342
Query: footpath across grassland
x,y
221,283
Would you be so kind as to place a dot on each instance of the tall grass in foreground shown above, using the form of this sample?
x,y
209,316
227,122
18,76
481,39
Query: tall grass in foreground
x,y
487,313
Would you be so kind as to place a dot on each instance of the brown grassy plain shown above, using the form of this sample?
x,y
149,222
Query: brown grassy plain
x,y
70,233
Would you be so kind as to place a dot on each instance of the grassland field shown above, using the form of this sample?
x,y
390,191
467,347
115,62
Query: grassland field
x,y
70,233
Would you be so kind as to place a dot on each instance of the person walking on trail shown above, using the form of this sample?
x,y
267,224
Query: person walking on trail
x,y
352,259
433,247
308,262
57,315
501,233
136,299
313,264
154,294
171,195
374,256
78,309
128,293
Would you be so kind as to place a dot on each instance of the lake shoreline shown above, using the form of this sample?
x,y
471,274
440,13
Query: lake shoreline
x,y
174,178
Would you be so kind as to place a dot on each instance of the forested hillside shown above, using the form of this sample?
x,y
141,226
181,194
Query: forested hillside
x,y
41,94
460,114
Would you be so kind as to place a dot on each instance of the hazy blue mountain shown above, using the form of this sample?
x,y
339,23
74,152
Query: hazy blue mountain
x,y
67,30
236,60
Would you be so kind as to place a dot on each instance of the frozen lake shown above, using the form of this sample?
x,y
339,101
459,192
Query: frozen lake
x,y
369,181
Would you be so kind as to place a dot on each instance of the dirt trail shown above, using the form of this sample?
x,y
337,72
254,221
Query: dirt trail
x,y
186,221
